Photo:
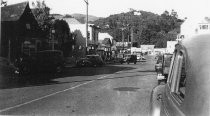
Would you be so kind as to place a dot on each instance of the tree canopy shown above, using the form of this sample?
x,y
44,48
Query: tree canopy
x,y
42,14
147,27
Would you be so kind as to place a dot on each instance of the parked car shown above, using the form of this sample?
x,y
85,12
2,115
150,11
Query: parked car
x,y
131,58
186,92
83,62
159,63
43,61
162,67
7,69
95,60
50,60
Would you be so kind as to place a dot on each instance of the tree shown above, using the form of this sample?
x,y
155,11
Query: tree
x,y
146,26
63,35
3,3
79,50
42,14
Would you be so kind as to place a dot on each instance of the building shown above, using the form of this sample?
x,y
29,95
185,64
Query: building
x,y
192,27
105,42
147,49
170,46
20,32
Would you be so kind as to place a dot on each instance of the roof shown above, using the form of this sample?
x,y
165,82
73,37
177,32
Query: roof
x,y
71,20
57,16
102,36
106,41
13,12
197,68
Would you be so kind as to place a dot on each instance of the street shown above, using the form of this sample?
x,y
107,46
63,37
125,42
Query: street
x,y
113,89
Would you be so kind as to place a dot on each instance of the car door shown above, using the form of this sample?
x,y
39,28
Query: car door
x,y
175,87
5,68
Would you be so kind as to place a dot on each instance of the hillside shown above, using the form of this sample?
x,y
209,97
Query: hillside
x,y
147,27
82,17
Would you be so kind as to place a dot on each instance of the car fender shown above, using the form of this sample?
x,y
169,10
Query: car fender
x,y
155,100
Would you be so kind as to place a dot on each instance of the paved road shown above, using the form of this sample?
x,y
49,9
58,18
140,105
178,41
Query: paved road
x,y
110,90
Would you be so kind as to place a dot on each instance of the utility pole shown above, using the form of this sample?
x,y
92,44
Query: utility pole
x,y
86,1
123,40
131,36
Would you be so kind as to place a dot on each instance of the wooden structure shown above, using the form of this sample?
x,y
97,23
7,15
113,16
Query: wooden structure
x,y
19,31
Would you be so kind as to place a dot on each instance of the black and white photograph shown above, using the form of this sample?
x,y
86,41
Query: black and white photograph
x,y
105,58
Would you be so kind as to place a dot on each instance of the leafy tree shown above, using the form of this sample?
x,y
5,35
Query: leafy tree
x,y
42,14
62,34
79,50
3,3
148,28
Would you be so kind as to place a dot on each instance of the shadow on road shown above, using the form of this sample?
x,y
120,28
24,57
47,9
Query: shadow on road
x,y
50,79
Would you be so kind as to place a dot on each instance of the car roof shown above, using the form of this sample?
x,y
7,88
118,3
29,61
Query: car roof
x,y
50,51
92,55
197,56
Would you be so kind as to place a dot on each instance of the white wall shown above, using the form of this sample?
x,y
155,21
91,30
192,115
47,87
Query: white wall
x,y
191,27
102,36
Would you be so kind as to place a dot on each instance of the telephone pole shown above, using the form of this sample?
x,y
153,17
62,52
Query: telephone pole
x,y
86,1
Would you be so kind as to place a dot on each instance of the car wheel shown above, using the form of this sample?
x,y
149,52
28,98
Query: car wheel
x,y
134,62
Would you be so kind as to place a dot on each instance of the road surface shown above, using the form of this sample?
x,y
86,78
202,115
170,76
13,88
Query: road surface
x,y
111,90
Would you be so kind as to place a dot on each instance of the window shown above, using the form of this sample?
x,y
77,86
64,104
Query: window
x,y
178,77
181,78
172,69
203,27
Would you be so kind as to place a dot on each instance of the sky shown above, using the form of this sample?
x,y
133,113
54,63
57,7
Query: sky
x,y
194,9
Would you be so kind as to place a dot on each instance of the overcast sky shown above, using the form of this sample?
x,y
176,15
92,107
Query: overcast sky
x,y
104,8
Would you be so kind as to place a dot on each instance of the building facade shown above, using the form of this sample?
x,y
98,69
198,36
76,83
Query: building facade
x,y
20,32
192,27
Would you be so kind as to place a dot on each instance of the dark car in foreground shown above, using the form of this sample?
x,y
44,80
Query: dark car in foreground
x,y
7,69
187,90
43,61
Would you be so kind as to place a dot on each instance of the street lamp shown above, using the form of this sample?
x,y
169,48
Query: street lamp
x,y
86,1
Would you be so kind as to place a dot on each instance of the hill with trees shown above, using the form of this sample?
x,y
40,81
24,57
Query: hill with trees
x,y
147,27
82,18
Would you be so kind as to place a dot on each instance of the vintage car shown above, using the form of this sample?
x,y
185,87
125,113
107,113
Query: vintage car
x,y
43,61
163,66
83,62
95,60
7,70
131,58
159,63
187,91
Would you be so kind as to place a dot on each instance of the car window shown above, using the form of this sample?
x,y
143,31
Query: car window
x,y
178,77
175,73
172,67
181,82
